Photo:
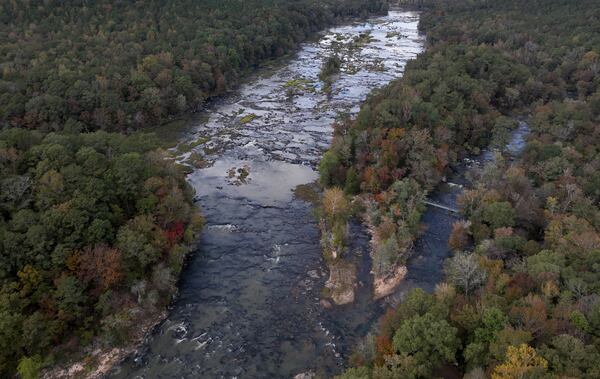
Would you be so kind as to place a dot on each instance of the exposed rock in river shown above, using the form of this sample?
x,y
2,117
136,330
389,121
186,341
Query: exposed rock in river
x,y
100,360
341,283
250,297
306,375
384,286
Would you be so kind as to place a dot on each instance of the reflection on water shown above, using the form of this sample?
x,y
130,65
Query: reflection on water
x,y
249,299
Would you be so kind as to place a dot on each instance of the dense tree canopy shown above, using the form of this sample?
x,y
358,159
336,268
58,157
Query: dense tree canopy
x,y
92,227
525,301
115,65
458,97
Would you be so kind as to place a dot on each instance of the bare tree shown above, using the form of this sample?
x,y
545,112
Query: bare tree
x,y
335,204
464,271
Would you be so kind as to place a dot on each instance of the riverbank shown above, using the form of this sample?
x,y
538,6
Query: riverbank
x,y
97,359
407,139
250,298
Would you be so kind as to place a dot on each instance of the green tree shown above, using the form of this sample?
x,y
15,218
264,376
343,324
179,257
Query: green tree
x,y
70,298
352,185
400,366
29,367
568,356
355,373
328,167
135,240
499,214
432,341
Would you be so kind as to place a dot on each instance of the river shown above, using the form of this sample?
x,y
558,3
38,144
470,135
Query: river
x,y
249,298
425,266
248,305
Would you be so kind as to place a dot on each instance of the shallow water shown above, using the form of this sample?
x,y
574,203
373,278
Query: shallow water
x,y
249,298
425,267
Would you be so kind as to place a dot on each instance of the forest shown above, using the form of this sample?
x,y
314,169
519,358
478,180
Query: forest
x,y
118,65
94,231
521,296
95,218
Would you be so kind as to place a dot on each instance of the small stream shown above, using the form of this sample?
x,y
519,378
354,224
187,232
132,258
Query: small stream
x,y
249,298
425,267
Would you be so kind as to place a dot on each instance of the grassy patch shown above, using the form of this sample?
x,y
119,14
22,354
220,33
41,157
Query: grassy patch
x,y
239,176
325,292
362,39
376,65
299,85
184,169
196,160
307,192
340,37
189,146
248,118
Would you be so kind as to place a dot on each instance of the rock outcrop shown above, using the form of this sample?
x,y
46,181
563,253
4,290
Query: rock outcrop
x,y
384,286
341,283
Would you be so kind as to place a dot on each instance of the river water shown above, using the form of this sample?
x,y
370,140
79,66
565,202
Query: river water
x,y
425,267
249,298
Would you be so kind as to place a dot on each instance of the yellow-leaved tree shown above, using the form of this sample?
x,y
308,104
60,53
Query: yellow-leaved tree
x,y
521,362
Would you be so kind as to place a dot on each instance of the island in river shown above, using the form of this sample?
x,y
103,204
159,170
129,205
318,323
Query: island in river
x,y
250,297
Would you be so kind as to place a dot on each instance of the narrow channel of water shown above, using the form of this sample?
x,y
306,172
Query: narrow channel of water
x,y
249,298
425,267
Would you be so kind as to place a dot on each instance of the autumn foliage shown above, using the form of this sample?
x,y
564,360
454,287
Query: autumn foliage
x,y
93,228
525,295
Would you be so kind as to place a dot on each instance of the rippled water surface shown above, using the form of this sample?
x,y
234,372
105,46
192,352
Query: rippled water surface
x,y
249,298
